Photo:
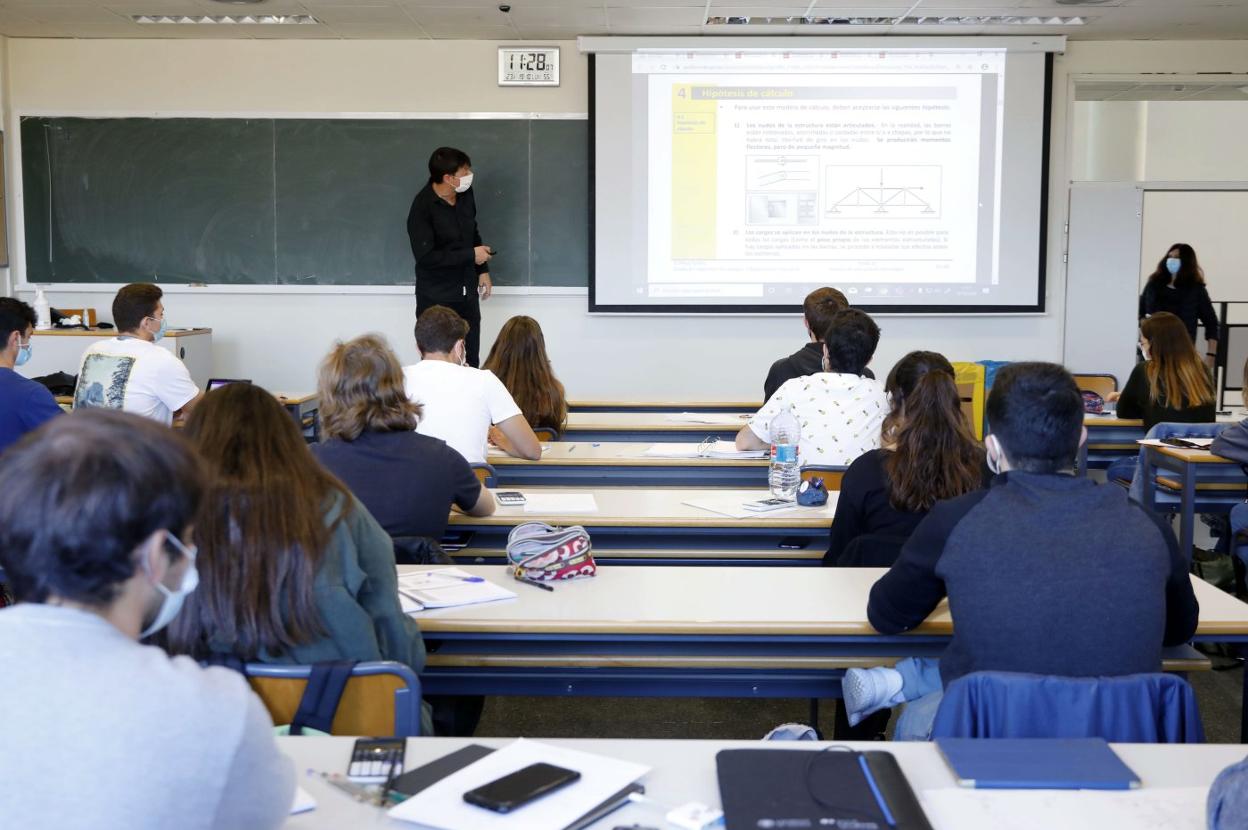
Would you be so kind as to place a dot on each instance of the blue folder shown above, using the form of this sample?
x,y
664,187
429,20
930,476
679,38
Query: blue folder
x,y
1036,764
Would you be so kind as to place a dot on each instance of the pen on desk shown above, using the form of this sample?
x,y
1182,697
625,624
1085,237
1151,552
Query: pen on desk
x,y
535,584
571,448
455,577
346,785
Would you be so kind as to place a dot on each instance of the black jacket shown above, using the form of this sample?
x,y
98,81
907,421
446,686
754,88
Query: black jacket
x,y
1190,304
443,238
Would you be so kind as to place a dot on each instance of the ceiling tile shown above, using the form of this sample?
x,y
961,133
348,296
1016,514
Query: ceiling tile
x,y
72,14
125,9
468,32
459,16
371,31
656,30
652,18
376,15
559,16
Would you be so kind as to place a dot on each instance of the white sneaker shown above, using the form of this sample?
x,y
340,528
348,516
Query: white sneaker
x,y
867,691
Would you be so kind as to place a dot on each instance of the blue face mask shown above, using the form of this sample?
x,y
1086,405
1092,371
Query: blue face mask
x,y
164,327
23,354
1173,264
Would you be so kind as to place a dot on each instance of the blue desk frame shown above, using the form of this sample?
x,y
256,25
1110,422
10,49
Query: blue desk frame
x,y
1100,459
720,433
767,541
694,681
1189,502
553,473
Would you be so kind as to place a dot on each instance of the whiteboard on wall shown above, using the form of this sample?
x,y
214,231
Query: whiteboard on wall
x,y
1214,222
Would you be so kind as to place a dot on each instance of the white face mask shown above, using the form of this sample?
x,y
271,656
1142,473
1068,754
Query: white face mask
x,y
465,182
993,454
172,603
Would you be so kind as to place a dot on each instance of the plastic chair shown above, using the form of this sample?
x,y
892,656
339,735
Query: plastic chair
x,y
831,474
546,433
1100,384
382,698
486,474
1137,708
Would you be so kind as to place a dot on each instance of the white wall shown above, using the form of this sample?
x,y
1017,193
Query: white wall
x,y
276,339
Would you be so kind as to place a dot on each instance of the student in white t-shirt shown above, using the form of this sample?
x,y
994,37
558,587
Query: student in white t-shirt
x,y
130,372
463,406
840,411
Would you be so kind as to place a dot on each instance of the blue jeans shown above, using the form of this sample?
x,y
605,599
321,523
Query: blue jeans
x,y
923,690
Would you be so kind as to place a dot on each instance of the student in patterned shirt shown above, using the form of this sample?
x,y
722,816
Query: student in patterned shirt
x,y
839,410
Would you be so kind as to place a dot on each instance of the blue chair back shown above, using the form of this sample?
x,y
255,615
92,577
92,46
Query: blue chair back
x,y
1138,708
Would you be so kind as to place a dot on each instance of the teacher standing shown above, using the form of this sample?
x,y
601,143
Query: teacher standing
x,y
452,266
1178,286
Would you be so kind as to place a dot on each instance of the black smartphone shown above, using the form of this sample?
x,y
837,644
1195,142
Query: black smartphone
x,y
1179,442
520,787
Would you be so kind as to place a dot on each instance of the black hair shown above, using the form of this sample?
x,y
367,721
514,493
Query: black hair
x,y
15,315
438,329
79,495
1036,412
446,161
134,303
1190,272
851,338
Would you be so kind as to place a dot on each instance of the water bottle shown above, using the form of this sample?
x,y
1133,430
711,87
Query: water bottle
x,y
43,311
785,473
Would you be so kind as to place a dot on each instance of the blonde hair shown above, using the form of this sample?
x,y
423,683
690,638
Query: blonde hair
x,y
1177,377
361,388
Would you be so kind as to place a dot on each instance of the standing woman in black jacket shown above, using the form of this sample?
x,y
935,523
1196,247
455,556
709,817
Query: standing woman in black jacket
x,y
1178,286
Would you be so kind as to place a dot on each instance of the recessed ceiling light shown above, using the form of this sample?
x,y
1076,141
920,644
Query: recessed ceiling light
x,y
227,19
920,20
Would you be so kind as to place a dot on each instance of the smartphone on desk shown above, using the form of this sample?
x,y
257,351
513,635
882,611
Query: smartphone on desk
x,y
1182,443
520,787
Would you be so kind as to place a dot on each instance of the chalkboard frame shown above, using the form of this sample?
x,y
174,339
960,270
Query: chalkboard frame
x,y
17,244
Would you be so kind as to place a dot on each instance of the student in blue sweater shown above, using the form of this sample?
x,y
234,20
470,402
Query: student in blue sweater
x,y
1046,572
24,404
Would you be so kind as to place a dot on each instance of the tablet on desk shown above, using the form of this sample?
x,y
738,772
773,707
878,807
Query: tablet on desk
x,y
217,383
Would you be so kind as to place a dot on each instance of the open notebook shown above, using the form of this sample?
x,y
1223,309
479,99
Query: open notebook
x,y
446,588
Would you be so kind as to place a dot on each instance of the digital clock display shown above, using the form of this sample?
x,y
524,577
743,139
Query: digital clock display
x,y
528,66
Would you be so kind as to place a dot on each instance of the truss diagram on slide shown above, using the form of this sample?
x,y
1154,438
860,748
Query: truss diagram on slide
x,y
782,172
901,191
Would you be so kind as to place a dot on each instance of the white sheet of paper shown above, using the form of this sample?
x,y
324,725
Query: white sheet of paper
x,y
1201,443
1158,808
303,801
442,806
440,588
716,418
671,451
731,506
560,503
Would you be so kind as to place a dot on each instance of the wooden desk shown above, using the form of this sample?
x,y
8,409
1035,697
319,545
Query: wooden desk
x,y
682,771
650,426
306,410
60,350
664,406
1203,482
699,632
1111,438
624,463
657,518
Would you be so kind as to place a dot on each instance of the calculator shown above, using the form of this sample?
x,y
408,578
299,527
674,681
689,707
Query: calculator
x,y
509,498
376,760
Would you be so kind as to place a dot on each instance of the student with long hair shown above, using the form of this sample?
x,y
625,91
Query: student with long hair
x,y
1172,384
518,358
406,480
1177,285
292,569
928,454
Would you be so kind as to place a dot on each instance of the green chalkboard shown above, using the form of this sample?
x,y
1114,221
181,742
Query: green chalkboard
x,y
291,201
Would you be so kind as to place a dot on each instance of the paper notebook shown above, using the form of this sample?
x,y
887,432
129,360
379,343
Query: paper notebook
x,y
445,588
1036,764
442,805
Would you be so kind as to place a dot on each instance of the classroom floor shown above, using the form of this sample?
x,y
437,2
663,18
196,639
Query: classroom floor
x,y
1218,693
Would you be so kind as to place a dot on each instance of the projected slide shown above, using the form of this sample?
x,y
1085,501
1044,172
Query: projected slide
x,y
765,175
